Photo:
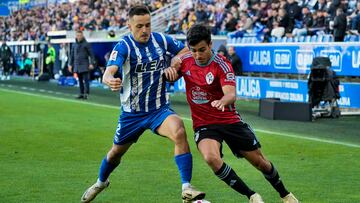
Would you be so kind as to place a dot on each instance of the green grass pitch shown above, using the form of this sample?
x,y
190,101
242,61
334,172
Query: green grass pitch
x,y
51,149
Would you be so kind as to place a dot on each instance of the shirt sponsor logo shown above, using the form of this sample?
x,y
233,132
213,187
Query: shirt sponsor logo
x,y
230,77
199,96
113,56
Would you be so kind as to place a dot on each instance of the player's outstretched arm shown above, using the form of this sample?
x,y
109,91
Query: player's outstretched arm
x,y
108,78
228,98
171,74
176,60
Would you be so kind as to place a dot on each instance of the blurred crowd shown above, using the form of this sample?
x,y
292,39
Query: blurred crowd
x,y
275,18
238,17
34,23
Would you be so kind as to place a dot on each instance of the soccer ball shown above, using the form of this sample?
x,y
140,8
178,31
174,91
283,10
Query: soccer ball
x,y
201,201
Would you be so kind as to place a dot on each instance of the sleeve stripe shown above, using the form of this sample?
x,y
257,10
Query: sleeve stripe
x,y
185,56
224,66
164,39
128,48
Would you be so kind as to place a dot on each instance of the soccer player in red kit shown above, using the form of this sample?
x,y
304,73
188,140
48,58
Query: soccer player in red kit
x,y
210,92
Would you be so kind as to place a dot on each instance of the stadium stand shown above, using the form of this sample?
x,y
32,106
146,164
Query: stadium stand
x,y
234,22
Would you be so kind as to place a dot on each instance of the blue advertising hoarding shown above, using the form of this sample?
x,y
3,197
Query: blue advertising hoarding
x,y
296,58
286,90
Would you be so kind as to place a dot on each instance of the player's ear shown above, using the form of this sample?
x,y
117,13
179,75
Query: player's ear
x,y
129,25
210,45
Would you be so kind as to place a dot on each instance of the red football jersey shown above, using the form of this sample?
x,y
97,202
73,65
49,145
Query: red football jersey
x,y
204,85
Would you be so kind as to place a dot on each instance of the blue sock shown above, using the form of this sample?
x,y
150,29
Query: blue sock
x,y
184,164
105,169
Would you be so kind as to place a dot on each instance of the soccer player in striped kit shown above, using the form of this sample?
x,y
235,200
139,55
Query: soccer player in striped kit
x,y
210,92
139,60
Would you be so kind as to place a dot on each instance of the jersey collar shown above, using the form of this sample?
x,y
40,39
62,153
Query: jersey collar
x,y
210,60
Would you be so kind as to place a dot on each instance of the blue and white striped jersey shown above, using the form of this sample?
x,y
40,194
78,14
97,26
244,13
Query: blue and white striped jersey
x,y
141,66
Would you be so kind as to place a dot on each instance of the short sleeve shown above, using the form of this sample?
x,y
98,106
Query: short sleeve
x,y
119,54
173,46
226,74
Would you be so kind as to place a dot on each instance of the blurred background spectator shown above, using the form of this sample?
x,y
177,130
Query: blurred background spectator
x,y
6,60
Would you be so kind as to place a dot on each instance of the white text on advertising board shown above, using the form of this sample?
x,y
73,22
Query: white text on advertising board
x,y
355,59
262,58
304,59
335,58
282,59
248,88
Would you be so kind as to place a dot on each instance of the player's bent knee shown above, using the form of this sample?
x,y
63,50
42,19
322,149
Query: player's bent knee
x,y
212,160
179,134
115,153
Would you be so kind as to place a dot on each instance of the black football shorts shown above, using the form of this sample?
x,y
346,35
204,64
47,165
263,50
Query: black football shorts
x,y
238,136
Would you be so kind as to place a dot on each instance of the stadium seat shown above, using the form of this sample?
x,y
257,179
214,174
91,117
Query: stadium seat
x,y
308,38
314,38
301,39
347,38
289,39
259,38
253,40
296,39
320,38
354,38
326,38
272,39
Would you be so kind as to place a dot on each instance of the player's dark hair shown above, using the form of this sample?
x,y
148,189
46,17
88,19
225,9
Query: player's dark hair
x,y
198,33
138,10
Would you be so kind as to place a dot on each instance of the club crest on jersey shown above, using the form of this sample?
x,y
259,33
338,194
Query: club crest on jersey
x,y
188,73
113,55
209,78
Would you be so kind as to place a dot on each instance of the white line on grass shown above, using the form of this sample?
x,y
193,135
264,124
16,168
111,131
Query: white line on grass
x,y
300,137
60,99
188,119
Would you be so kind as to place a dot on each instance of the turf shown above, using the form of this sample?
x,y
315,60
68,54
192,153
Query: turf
x,y
51,148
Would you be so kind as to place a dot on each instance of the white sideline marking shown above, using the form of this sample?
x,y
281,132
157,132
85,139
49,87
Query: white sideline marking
x,y
187,119
60,99
299,137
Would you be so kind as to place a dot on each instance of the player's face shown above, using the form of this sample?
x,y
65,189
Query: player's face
x,y
201,52
140,27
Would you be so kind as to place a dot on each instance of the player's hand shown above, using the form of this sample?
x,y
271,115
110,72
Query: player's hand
x,y
171,74
70,69
176,63
218,104
115,84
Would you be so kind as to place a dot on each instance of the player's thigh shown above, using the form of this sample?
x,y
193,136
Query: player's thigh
x,y
172,127
130,127
210,150
240,138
